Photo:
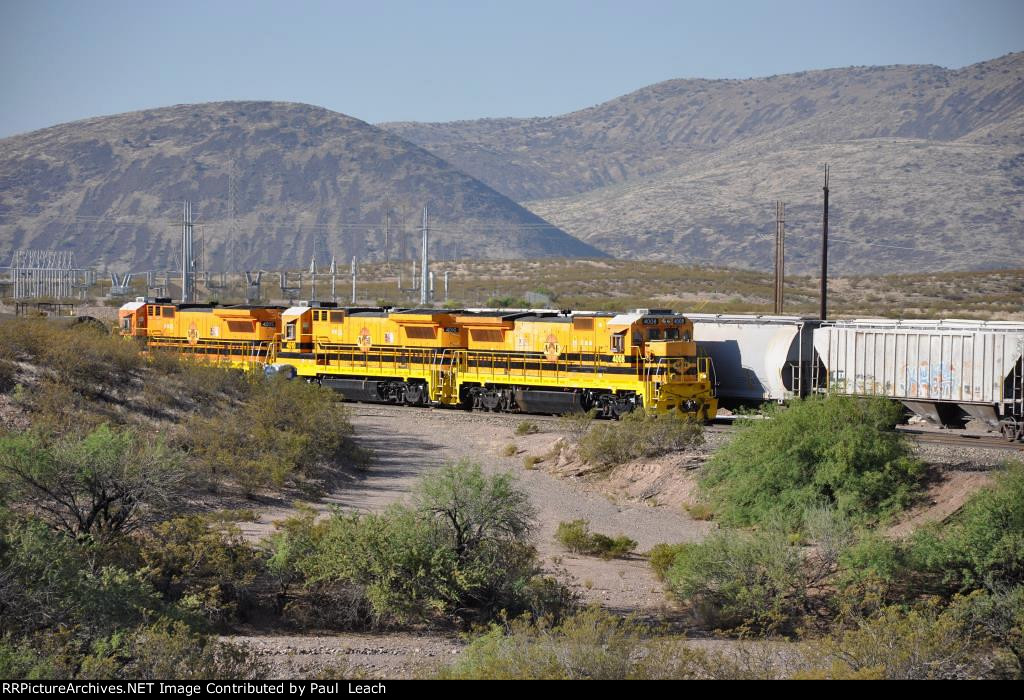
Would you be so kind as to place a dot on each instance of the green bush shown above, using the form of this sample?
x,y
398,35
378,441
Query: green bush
x,y
836,451
527,427
878,562
895,644
662,557
202,565
637,435
109,482
161,651
51,582
85,357
170,650
983,544
592,644
997,616
8,376
283,432
699,511
20,661
460,550
575,535
576,425
733,579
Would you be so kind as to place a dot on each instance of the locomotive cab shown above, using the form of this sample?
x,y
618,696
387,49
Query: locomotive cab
x,y
133,317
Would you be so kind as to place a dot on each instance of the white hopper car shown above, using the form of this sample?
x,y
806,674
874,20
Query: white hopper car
x,y
947,371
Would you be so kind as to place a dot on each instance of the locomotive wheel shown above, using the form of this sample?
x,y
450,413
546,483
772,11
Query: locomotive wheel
x,y
415,394
491,400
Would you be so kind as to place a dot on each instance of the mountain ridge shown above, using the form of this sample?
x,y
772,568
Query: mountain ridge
x,y
636,175
306,179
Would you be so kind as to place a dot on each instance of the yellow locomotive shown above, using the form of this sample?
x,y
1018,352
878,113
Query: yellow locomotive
x,y
529,361
244,337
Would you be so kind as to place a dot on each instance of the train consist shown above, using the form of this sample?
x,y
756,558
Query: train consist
x,y
528,361
557,362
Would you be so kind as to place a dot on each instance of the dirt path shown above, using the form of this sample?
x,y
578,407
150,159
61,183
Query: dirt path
x,y
409,443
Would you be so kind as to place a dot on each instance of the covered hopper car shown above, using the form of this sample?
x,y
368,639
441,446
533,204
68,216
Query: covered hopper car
x,y
945,371
757,358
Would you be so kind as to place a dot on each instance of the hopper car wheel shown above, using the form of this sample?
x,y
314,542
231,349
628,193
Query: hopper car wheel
x,y
1012,430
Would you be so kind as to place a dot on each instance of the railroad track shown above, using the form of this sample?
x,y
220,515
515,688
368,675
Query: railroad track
x,y
957,439
948,438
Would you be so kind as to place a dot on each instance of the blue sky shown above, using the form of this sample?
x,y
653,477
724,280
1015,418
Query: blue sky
x,y
437,61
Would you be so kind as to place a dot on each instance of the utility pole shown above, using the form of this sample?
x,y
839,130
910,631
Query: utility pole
x,y
424,264
334,270
312,273
232,213
387,237
353,280
187,259
780,254
823,312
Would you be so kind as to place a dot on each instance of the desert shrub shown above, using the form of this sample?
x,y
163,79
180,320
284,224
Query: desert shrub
x,y
206,384
285,430
830,530
531,461
460,550
753,579
699,511
662,556
308,596
577,424
169,650
575,535
527,427
592,644
109,482
508,450
636,435
836,451
51,582
86,357
983,544
19,660
879,563
202,565
8,375
894,644
997,616
56,409
507,303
